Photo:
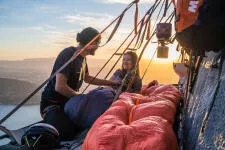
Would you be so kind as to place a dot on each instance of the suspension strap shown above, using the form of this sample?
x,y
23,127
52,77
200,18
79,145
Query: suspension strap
x,y
136,18
150,12
148,30
120,17
115,29
148,65
139,33
166,8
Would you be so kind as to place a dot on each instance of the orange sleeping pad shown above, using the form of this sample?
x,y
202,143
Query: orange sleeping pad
x,y
137,121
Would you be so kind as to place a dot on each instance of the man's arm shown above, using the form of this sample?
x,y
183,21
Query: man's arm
x,y
98,81
62,87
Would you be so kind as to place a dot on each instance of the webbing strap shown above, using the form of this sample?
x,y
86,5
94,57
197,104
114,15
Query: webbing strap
x,y
143,34
115,29
136,18
139,33
119,21
148,31
132,110
166,8
131,114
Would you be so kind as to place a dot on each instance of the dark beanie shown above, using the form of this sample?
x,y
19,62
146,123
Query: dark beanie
x,y
86,35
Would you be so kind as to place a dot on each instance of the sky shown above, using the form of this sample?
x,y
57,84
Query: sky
x,y
42,28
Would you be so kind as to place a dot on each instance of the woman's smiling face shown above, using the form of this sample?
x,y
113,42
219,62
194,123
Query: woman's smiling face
x,y
127,62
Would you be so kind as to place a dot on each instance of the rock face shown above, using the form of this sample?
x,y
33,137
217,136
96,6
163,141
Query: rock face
x,y
13,91
207,97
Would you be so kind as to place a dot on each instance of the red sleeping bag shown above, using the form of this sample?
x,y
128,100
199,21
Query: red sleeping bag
x,y
137,121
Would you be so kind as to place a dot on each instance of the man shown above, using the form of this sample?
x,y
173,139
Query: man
x,y
67,82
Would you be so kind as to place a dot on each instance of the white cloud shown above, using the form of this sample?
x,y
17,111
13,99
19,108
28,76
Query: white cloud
x,y
60,39
49,26
35,28
123,1
95,20
47,9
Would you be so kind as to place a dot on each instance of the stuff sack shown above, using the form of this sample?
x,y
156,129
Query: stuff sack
x,y
84,109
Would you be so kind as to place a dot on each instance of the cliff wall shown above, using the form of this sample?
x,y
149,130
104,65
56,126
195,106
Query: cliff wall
x,y
204,124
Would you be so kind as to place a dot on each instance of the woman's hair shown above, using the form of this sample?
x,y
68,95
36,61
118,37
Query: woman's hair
x,y
134,59
86,35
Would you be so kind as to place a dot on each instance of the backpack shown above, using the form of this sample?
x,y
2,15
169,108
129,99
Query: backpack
x,y
203,31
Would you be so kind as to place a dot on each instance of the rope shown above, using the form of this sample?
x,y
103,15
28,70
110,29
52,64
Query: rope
x,y
148,65
60,69
123,84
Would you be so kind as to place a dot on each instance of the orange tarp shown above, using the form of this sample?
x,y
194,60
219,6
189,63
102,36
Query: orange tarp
x,y
137,121
186,13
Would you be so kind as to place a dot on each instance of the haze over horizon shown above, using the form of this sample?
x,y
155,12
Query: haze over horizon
x,y
30,74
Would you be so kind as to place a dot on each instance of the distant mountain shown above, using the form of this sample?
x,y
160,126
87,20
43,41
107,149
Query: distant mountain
x,y
14,91
29,59
40,59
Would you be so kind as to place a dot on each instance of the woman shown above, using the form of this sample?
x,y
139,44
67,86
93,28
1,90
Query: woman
x,y
84,109
128,64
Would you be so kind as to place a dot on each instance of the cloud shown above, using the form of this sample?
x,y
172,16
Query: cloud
x,y
123,1
35,28
88,19
44,27
50,26
48,9
60,39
